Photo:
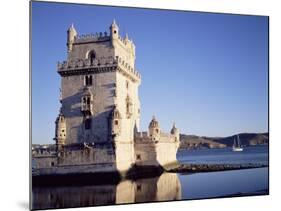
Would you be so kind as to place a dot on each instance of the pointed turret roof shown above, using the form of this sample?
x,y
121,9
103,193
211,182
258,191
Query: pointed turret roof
x,y
154,122
174,129
114,24
72,28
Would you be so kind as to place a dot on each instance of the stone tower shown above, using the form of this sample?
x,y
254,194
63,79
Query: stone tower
x,y
99,88
175,131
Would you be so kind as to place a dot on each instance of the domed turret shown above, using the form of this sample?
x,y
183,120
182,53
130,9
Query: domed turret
x,y
154,129
175,132
60,137
71,35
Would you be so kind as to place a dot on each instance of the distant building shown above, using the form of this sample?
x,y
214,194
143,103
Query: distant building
x,y
98,122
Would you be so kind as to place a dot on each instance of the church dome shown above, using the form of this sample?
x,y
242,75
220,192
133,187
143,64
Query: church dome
x,y
153,123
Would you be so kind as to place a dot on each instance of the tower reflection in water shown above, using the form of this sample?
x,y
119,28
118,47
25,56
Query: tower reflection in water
x,y
165,187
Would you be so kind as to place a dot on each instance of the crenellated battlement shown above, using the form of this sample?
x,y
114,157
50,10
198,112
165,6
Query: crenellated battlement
x,y
86,63
142,137
92,37
126,41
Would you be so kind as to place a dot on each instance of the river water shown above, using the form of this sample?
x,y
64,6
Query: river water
x,y
168,186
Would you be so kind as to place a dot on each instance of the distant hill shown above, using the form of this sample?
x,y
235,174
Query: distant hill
x,y
247,139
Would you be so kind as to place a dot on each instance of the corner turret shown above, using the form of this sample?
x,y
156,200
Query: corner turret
x,y
154,129
71,36
175,132
60,136
114,32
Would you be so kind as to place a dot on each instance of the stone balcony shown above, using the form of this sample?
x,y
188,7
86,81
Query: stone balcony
x,y
104,64
87,109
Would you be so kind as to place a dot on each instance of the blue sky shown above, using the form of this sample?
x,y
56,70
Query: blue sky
x,y
207,72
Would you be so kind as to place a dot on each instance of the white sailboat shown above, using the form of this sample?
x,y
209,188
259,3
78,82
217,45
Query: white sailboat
x,y
237,145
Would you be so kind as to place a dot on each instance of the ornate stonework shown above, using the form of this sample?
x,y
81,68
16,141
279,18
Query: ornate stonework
x,y
98,123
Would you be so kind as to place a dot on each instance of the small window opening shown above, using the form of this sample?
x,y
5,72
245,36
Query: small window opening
x,y
138,157
127,84
88,80
116,122
92,57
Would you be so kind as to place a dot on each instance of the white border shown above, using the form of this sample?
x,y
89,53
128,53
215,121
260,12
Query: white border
x,y
15,103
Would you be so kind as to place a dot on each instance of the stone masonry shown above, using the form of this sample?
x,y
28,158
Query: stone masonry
x,y
99,118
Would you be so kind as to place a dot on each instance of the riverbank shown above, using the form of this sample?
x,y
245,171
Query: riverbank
x,y
197,168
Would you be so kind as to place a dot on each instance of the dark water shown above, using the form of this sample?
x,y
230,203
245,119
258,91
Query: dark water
x,y
168,186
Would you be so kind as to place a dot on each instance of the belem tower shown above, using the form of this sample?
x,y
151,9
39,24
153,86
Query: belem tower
x,y
97,129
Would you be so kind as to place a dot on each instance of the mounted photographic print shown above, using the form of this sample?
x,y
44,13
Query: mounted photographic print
x,y
134,105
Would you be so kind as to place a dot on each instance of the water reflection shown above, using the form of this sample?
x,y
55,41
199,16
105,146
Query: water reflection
x,y
162,188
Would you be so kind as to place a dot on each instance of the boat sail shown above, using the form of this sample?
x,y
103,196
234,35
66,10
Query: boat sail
x,y
237,145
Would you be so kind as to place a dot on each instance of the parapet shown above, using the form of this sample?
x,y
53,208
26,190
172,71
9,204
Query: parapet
x,y
71,66
142,137
97,37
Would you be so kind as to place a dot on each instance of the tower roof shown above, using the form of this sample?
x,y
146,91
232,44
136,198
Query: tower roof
x,y
174,130
154,122
60,117
114,24
71,28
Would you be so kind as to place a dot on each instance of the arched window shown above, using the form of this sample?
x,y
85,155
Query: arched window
x,y
92,56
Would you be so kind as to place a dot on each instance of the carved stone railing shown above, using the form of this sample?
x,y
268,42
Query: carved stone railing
x,y
87,108
100,62
141,137
40,152
92,37
81,63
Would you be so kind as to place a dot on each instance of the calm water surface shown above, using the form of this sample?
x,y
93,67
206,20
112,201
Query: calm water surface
x,y
168,186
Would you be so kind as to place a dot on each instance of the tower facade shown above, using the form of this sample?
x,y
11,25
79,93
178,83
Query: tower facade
x,y
99,88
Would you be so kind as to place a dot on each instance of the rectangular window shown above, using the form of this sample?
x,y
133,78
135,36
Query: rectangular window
x,y
88,80
127,84
88,123
116,122
138,157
